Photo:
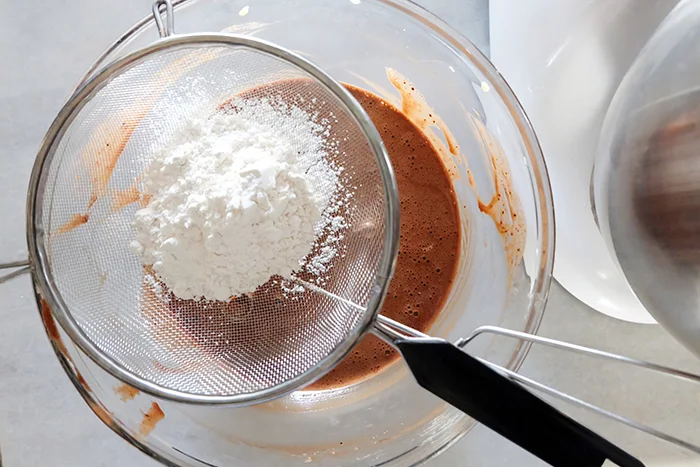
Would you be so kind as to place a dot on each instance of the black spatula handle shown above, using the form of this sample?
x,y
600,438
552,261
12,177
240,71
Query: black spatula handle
x,y
506,407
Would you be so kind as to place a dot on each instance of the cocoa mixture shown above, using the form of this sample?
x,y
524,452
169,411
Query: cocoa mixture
x,y
427,262
429,244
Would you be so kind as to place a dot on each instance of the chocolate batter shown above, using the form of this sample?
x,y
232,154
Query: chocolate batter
x,y
429,244
427,262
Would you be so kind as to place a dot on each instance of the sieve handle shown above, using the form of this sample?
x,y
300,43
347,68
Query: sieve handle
x,y
21,267
506,407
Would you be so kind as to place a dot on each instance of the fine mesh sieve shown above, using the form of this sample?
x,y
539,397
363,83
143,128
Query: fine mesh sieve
x,y
86,189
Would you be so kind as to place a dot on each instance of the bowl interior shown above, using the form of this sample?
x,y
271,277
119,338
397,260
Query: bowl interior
x,y
507,242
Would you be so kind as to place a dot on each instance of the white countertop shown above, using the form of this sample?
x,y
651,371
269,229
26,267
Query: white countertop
x,y
44,49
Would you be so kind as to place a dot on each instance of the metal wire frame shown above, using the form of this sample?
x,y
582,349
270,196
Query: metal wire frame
x,y
389,327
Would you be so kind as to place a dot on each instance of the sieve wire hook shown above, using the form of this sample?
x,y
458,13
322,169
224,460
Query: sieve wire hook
x,y
22,267
166,28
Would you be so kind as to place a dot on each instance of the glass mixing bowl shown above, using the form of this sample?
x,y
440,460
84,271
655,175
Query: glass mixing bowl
x,y
505,261
646,176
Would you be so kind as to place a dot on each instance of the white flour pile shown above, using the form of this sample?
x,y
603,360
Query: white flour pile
x,y
236,199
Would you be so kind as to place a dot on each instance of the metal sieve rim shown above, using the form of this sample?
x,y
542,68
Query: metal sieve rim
x,y
36,234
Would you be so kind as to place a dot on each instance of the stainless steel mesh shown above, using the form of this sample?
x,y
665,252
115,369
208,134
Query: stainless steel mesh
x,y
256,346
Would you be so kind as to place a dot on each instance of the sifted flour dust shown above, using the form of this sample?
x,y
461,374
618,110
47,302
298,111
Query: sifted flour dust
x,y
236,199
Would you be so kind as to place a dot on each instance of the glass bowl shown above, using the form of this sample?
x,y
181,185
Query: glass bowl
x,y
645,179
505,264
